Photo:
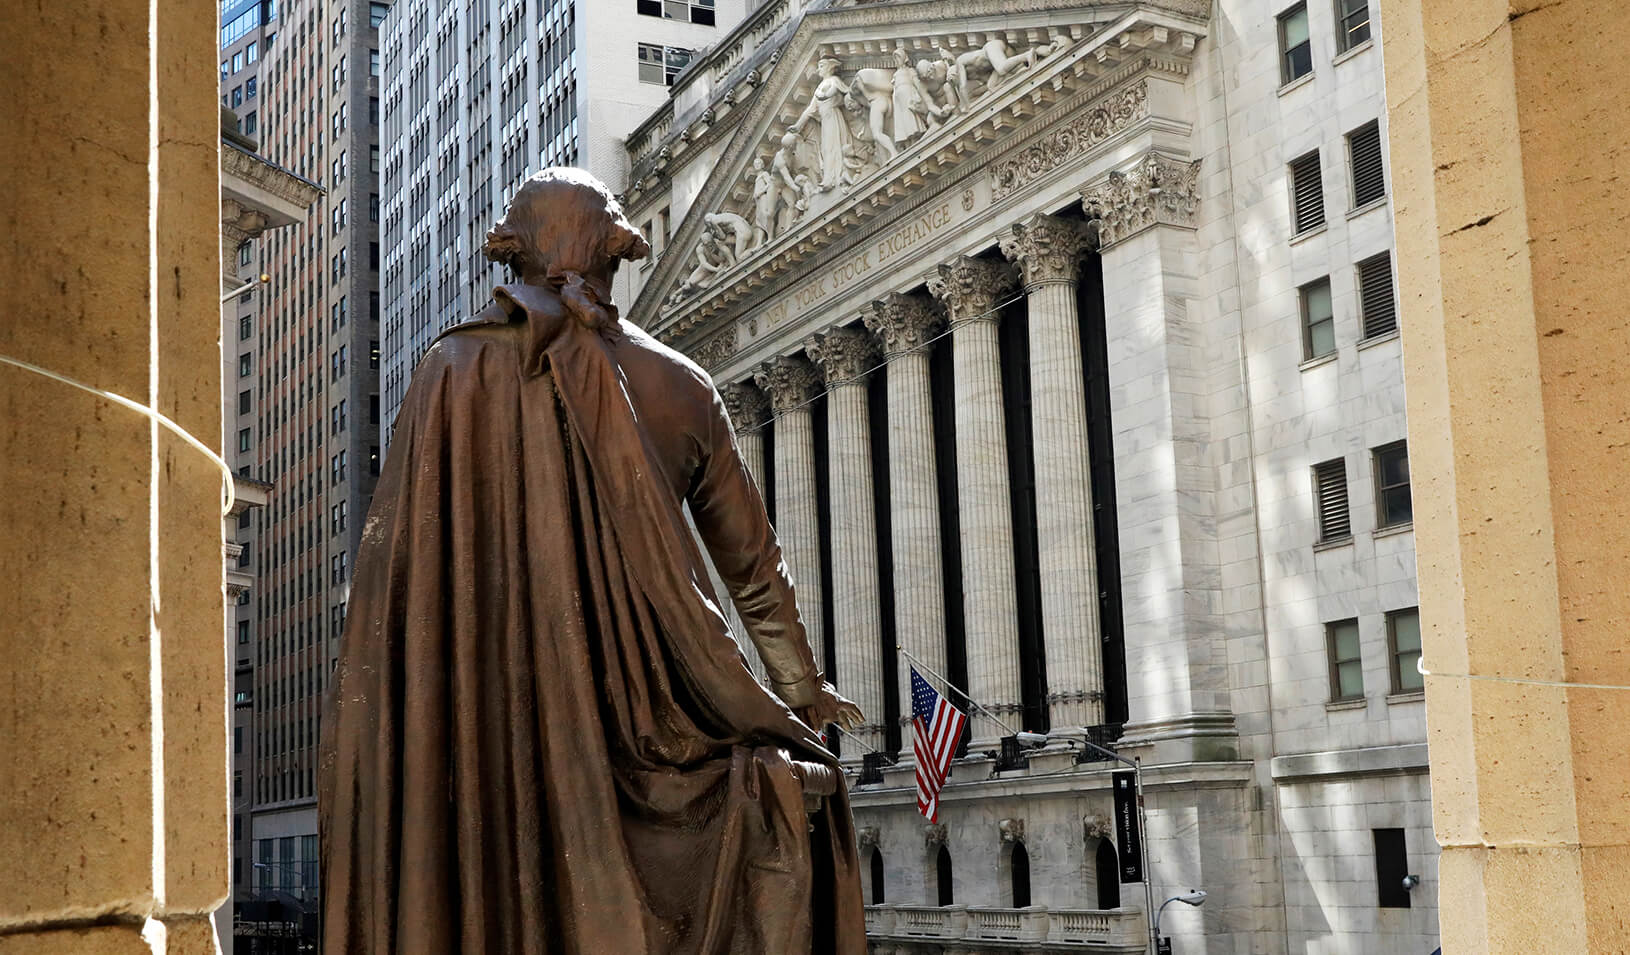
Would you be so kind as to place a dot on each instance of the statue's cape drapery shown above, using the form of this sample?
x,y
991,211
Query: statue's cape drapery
x,y
540,737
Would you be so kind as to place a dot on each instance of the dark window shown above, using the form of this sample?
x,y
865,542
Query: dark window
x,y
1392,504
942,870
1391,867
373,353
1295,46
1020,863
376,13
246,363
244,398
1330,487
646,8
243,631
1404,648
1307,192
1375,295
1346,662
1318,321
1107,868
877,876
1352,24
1364,150
243,440
237,747
246,327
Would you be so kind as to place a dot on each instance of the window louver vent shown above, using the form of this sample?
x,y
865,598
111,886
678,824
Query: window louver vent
x,y
1330,481
1375,294
1368,181
1308,192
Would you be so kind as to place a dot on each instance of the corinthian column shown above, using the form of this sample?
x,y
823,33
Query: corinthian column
x,y
1048,251
790,383
903,323
749,412
845,355
971,289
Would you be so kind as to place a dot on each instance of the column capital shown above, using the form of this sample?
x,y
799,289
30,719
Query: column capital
x,y
747,406
1047,249
1155,190
970,287
843,354
789,381
902,322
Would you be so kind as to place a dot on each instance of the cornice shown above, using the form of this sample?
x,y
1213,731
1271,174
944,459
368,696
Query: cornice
x,y
259,171
1155,190
1094,63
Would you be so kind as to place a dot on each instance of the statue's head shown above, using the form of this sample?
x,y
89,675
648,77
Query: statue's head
x,y
758,163
789,140
564,220
827,66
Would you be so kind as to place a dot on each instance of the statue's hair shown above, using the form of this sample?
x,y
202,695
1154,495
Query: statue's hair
x,y
563,220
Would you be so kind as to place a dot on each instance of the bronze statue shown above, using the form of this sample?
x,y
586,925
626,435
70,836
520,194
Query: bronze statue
x,y
541,737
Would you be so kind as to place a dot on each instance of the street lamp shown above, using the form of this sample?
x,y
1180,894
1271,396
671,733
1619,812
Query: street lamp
x,y
1195,897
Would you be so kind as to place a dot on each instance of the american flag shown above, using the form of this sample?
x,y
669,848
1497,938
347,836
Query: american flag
x,y
937,728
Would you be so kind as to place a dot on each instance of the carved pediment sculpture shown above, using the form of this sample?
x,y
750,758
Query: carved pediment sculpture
x,y
934,835
861,114
1011,830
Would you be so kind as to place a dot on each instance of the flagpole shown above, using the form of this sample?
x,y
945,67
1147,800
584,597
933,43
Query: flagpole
x,y
973,703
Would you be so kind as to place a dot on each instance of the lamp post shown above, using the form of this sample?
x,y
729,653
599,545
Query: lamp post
x,y
1194,897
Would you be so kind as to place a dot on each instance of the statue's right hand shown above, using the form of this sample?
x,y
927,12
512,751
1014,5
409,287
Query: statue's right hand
x,y
831,707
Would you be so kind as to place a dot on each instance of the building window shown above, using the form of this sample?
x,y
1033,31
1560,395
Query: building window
x,y
1307,192
237,61
237,96
226,69
1019,870
1404,647
243,253
249,88
373,62
244,398
250,124
1295,46
251,53
1392,504
1352,23
376,14
1346,664
245,364
373,353
1318,321
1391,867
1330,487
660,64
942,872
1375,295
693,11
243,631
1364,150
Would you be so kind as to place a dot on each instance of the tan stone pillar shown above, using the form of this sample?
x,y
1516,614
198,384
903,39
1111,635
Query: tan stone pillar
x,y
113,800
971,289
1048,251
1508,140
844,356
790,383
903,323
749,412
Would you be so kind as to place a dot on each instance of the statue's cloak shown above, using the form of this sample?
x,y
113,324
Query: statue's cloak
x,y
541,737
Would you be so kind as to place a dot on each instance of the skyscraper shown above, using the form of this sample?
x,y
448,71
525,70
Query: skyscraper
x,y
303,77
479,95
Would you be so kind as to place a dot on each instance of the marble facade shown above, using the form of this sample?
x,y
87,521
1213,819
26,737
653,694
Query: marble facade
x,y
1021,360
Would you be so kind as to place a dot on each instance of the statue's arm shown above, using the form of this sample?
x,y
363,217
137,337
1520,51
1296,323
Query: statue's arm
x,y
730,517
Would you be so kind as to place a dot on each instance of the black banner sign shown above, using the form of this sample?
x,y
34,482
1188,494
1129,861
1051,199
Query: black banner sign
x,y
1128,837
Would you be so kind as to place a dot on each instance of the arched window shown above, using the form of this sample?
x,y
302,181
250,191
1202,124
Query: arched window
x,y
877,876
942,866
1019,862
1109,876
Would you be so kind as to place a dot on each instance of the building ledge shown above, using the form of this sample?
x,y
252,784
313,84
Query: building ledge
x,y
1368,761
1034,928
1354,51
1393,530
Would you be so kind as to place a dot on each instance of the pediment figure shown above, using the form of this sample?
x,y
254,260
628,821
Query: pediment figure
x,y
866,103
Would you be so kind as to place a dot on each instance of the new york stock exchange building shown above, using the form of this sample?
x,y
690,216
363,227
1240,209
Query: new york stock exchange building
x,y
1061,339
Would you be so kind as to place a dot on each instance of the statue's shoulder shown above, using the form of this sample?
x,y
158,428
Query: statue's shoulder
x,y
468,337
640,348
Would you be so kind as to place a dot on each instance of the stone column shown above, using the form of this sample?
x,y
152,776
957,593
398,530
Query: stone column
x,y
844,356
749,412
114,808
790,383
971,289
1171,574
1048,251
903,323
1507,148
